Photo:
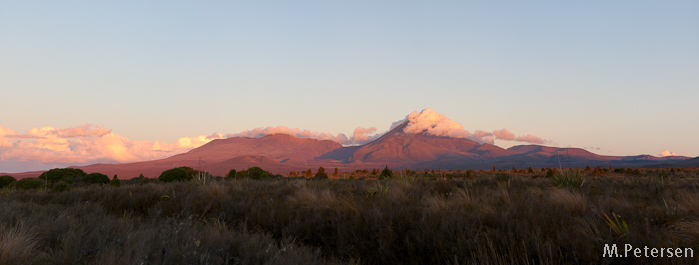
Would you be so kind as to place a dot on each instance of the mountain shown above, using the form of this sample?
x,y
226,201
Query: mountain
x,y
279,147
400,149
420,141
279,153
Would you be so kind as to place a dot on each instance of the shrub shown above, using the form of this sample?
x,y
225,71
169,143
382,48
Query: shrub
x,y
569,179
502,177
96,178
175,174
257,173
6,180
386,173
60,186
29,183
469,174
232,174
321,173
68,175
116,182
143,181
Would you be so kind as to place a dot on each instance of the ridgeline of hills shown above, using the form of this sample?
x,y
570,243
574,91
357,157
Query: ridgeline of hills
x,y
396,149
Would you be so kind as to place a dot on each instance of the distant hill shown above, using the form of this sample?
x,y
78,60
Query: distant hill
x,y
396,148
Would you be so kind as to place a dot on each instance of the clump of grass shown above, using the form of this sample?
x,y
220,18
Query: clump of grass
x,y
687,231
568,179
377,189
17,246
571,200
619,226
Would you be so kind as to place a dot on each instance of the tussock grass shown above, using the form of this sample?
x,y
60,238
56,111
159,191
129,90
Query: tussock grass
x,y
424,220
572,200
17,245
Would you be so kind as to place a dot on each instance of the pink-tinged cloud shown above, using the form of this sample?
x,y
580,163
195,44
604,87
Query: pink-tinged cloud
x,y
261,132
530,139
504,134
5,135
667,153
431,122
88,144
361,135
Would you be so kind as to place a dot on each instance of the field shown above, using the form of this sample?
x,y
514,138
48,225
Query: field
x,y
455,217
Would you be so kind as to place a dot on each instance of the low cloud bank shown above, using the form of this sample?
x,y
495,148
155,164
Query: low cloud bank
x,y
361,135
88,144
667,152
431,122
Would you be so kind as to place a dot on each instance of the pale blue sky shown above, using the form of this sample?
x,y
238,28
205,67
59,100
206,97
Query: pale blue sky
x,y
621,76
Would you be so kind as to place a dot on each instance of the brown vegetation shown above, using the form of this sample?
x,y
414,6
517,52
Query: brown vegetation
x,y
412,218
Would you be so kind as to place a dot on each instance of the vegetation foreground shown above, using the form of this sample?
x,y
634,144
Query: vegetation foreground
x,y
470,217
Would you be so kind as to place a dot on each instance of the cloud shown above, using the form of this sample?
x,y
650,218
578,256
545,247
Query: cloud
x,y
667,153
530,139
88,144
397,123
361,135
5,135
261,132
504,134
430,122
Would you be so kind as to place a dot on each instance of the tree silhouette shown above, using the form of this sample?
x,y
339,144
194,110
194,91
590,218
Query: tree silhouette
x,y
116,182
232,174
386,173
321,173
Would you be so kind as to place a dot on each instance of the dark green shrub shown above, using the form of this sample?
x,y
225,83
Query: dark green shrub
x,y
68,175
29,183
232,174
321,173
257,173
6,180
96,178
116,182
143,181
60,186
386,173
176,174
469,174
502,177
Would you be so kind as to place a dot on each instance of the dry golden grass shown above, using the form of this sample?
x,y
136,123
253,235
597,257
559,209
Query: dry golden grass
x,y
17,245
491,218
214,190
573,201
687,231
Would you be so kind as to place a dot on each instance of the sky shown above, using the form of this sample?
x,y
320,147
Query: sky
x,y
84,82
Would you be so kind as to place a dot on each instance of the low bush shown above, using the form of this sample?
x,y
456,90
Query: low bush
x,y
6,180
176,174
96,178
68,175
29,183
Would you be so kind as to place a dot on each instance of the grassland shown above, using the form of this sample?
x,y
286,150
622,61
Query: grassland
x,y
456,217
